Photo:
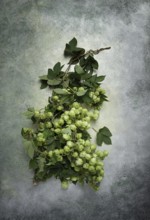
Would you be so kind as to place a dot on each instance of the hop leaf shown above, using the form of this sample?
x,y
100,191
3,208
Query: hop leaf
x,y
29,147
103,136
71,48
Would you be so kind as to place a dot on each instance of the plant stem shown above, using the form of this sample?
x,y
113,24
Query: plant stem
x,y
95,130
89,52
95,52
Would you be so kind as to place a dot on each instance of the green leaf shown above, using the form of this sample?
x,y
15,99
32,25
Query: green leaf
x,y
66,172
74,76
54,145
71,49
39,175
105,131
66,99
86,135
33,164
99,139
50,140
86,76
66,131
78,69
95,64
68,50
44,77
104,97
57,67
43,84
88,84
31,109
89,64
92,79
73,42
51,74
31,152
54,82
48,133
103,136
27,133
29,147
107,140
82,61
86,99
81,93
41,163
60,91
100,78
28,114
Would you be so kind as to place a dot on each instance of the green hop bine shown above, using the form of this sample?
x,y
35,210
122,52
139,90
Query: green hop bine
x,y
59,144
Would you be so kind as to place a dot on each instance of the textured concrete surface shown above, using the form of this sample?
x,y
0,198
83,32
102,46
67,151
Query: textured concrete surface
x,y
32,38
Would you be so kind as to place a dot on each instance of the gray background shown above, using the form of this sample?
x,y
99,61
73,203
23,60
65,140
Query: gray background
x,y
32,38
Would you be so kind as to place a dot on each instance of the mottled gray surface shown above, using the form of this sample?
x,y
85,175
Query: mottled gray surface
x,y
32,38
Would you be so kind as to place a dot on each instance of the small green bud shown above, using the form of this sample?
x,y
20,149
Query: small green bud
x,y
66,149
40,134
91,94
49,114
93,161
41,125
56,152
99,154
105,153
97,93
66,137
68,122
79,135
48,124
55,98
81,89
57,130
70,144
50,153
88,156
73,127
56,124
91,168
87,143
74,178
99,179
61,151
37,114
76,105
93,147
75,154
60,108
79,162
86,166
72,113
64,184
59,158
100,163
43,116
61,121
77,169
82,154
98,168
80,148
75,88
102,172
66,117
